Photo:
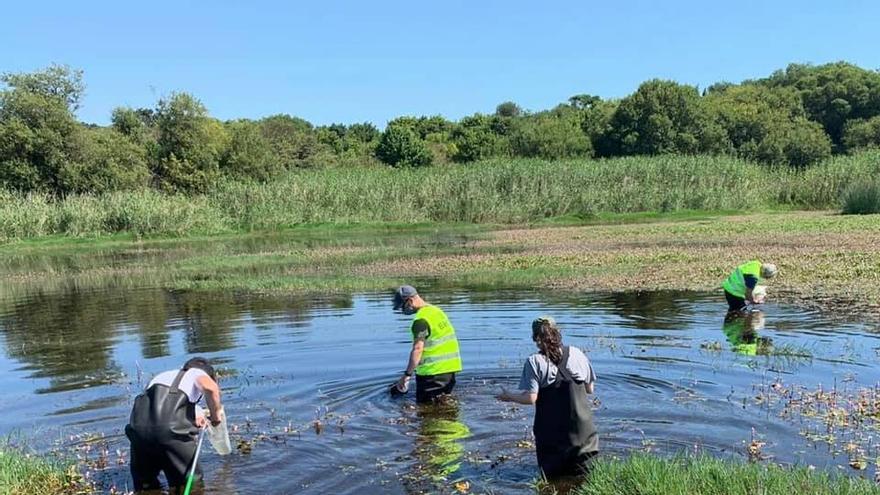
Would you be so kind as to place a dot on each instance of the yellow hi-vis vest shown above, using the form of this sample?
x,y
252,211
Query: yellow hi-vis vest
x,y
441,348
736,282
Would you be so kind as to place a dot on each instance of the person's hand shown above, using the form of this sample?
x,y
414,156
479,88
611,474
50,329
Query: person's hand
x,y
201,421
215,421
504,395
403,384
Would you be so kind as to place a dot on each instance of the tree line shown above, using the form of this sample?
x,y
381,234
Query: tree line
x,y
795,117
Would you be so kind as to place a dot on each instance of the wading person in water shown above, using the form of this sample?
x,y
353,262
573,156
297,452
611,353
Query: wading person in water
x,y
165,422
434,357
739,285
557,380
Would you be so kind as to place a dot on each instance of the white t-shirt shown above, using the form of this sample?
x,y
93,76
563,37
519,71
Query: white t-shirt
x,y
188,383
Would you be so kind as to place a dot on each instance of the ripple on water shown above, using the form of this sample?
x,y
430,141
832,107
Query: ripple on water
x,y
305,380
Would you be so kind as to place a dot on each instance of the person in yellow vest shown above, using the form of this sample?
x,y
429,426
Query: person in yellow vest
x,y
739,285
435,357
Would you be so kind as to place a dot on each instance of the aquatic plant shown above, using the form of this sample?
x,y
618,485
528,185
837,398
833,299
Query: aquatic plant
x,y
704,475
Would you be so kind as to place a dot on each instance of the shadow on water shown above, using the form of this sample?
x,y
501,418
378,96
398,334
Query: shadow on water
x,y
305,381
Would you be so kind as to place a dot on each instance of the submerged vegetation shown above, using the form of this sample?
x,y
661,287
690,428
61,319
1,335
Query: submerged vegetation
x,y
643,474
652,255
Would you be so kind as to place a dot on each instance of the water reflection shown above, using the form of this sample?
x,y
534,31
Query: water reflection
x,y
71,359
69,338
439,445
741,329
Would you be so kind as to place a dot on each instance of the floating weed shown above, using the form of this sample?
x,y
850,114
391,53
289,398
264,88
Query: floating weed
x,y
713,346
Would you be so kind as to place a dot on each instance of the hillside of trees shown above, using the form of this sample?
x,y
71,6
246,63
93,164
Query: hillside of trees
x,y
795,117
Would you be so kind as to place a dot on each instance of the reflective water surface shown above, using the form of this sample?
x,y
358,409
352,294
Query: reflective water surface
x,y
305,381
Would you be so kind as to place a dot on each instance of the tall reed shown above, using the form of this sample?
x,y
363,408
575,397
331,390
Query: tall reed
x,y
497,191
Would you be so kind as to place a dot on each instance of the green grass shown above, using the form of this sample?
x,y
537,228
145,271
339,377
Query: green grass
x,y
23,474
627,189
643,474
862,198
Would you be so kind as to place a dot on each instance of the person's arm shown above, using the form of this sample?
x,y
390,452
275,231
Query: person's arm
x,y
211,391
415,356
420,330
529,385
523,397
590,387
751,283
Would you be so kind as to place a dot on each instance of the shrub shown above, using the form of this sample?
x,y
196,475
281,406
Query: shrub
x,y
862,198
401,147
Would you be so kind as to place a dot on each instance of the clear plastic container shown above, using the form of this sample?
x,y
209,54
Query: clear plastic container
x,y
219,435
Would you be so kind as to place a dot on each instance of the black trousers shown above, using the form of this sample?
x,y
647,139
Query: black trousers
x,y
154,452
430,387
734,303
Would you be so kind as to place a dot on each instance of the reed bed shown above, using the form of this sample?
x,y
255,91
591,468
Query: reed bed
x,y
496,192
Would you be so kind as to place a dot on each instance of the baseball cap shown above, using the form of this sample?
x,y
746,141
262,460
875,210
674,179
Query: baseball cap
x,y
403,293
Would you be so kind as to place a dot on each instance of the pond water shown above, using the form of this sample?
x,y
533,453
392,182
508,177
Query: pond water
x,y
305,382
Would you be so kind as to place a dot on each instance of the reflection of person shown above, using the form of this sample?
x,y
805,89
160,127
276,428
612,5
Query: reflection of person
x,y
439,444
739,286
434,357
742,330
165,420
557,380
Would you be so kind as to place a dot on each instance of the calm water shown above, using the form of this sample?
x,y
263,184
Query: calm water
x,y
305,382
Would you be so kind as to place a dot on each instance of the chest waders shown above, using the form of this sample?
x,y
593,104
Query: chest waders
x,y
162,432
565,437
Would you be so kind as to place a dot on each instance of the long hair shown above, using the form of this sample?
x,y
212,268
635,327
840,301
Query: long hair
x,y
546,335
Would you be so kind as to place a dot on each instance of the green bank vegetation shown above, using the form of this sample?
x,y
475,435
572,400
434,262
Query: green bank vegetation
x,y
795,117
497,192
632,252
799,138
643,474
27,474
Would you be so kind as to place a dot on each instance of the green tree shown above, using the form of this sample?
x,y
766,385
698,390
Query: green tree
x,y
107,161
832,93
862,134
400,146
662,117
249,154
552,135
768,124
481,136
508,109
56,82
189,146
364,132
293,140
38,132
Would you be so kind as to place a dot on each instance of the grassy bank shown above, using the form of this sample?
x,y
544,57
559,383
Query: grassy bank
x,y
649,475
499,192
826,260
22,474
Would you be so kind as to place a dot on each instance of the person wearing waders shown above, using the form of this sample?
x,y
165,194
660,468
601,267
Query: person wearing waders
x,y
739,285
434,357
556,380
165,422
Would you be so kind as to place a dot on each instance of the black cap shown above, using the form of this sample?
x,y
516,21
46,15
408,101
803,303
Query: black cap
x,y
403,293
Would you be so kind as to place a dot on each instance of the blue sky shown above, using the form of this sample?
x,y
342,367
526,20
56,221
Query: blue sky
x,y
333,61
